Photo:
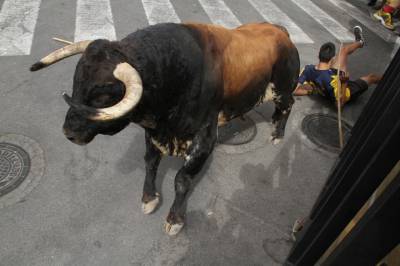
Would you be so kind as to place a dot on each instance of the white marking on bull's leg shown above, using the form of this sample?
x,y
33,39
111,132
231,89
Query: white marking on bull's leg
x,y
337,30
269,11
164,150
173,229
17,25
94,20
275,140
220,13
270,92
160,11
221,119
150,206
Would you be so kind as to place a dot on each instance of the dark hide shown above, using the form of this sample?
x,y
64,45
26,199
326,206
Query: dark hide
x,y
190,73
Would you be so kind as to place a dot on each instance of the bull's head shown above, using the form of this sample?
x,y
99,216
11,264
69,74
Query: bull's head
x,y
105,89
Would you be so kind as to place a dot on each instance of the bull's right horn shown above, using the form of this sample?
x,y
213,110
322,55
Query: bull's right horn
x,y
67,51
133,93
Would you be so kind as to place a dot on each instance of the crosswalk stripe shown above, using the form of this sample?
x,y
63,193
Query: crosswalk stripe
x,y
220,13
17,25
158,11
334,27
94,20
366,20
269,11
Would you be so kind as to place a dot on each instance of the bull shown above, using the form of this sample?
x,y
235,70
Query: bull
x,y
179,82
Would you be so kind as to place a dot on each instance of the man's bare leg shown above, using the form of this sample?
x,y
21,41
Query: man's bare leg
x,y
347,49
371,78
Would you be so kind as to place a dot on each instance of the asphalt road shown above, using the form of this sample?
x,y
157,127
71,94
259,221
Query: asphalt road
x,y
82,205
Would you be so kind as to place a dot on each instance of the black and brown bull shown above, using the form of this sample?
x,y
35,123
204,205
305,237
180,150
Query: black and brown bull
x,y
179,82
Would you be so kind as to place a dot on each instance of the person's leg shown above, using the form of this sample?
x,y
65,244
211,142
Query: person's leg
x,y
359,86
384,15
348,49
372,2
371,78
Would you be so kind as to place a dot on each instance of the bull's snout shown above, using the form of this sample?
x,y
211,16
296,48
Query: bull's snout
x,y
69,135
73,137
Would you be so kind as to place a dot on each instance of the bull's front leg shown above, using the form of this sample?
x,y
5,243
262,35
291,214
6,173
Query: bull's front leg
x,y
150,198
198,152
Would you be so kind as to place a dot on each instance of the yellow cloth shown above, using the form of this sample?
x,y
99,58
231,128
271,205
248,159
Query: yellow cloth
x,y
334,85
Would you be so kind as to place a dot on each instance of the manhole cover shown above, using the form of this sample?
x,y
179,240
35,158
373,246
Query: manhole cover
x,y
14,167
21,167
237,132
322,130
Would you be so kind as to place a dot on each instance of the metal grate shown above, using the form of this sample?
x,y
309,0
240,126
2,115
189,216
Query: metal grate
x,y
237,131
322,130
14,167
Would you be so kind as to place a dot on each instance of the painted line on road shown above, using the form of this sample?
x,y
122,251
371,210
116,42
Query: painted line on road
x,y
336,29
365,20
269,11
17,25
159,11
220,13
396,47
94,20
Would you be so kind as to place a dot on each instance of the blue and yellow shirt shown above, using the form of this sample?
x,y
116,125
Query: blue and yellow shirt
x,y
324,81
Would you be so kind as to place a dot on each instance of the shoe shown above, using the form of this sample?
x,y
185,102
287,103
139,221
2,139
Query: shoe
x,y
385,18
358,35
372,2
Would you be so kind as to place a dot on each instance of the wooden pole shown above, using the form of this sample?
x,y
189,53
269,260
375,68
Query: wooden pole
x,y
62,41
339,105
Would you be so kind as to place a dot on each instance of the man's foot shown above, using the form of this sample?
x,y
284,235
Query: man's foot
x,y
358,35
372,2
385,18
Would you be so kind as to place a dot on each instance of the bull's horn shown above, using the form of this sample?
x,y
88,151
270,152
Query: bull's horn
x,y
133,92
69,50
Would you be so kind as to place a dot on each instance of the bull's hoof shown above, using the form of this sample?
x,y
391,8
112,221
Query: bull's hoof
x,y
275,140
173,229
150,206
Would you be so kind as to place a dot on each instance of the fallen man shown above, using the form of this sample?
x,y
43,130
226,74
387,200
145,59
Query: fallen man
x,y
322,78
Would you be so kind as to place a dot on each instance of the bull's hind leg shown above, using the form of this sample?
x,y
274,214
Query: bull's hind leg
x,y
150,198
283,106
285,79
201,147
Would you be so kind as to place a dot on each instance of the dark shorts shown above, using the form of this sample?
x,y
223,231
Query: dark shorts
x,y
357,87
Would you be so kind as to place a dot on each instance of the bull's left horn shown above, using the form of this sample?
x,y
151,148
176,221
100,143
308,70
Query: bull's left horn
x,y
67,51
133,92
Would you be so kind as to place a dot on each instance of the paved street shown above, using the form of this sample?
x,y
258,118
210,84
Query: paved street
x,y
82,205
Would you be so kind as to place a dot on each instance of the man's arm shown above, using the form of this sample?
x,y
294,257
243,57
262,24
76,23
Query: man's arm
x,y
303,89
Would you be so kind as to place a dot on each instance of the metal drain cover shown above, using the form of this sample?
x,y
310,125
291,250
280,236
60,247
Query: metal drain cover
x,y
237,131
14,166
21,167
322,130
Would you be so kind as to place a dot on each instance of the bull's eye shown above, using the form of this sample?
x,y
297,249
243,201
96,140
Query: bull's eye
x,y
105,95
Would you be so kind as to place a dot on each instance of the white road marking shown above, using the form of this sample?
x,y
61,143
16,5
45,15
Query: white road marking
x,y
159,11
336,29
220,13
94,20
396,47
275,178
375,27
269,11
17,25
